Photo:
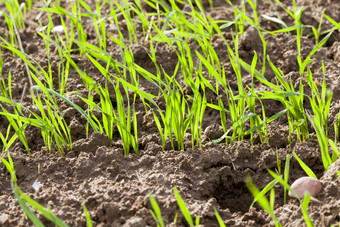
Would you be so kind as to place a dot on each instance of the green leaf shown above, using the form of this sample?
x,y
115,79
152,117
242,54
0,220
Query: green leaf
x,y
274,19
157,212
87,216
307,170
304,208
183,208
264,191
219,219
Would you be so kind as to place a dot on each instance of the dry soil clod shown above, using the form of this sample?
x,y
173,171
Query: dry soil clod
x,y
303,184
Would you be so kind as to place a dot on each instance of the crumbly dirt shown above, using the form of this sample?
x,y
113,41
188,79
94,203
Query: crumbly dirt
x,y
116,189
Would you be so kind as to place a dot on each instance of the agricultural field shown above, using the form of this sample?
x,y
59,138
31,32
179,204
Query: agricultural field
x,y
169,113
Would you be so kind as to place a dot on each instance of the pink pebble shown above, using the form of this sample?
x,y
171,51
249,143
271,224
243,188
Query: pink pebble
x,y
303,184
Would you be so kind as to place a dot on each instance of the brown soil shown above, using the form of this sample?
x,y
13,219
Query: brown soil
x,y
115,188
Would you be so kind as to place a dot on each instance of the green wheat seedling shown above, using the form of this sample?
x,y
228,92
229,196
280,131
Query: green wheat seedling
x,y
220,77
53,126
109,116
177,114
322,139
17,124
270,186
10,26
87,216
125,118
121,71
127,65
307,170
296,117
47,31
161,6
156,212
29,205
304,208
63,69
197,109
236,111
74,17
120,117
3,86
113,16
320,100
237,106
17,12
182,27
142,18
219,219
63,73
320,103
54,129
130,23
76,12
263,192
296,15
185,210
8,141
337,128
286,177
98,22
241,19
303,64
262,200
94,52
293,101
250,99
304,203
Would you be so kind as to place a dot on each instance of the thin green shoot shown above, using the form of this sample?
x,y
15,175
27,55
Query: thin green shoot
x,y
184,208
263,192
304,208
156,212
87,216
307,170
262,200
335,149
286,177
283,183
24,200
219,219
272,198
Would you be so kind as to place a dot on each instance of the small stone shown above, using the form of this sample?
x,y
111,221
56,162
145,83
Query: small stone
x,y
3,218
58,29
36,185
303,184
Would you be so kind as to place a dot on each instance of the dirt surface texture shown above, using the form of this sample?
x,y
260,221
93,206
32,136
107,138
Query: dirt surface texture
x,y
116,188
